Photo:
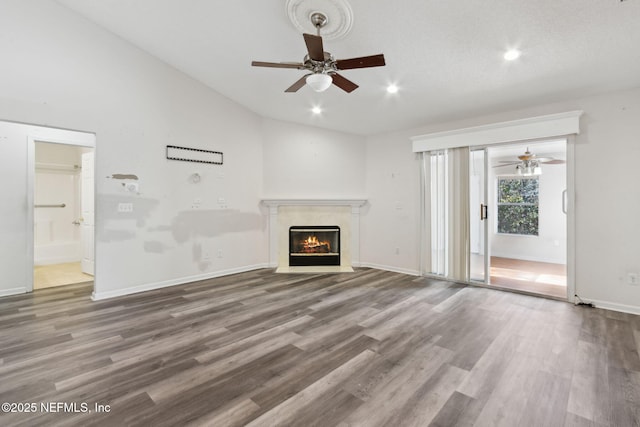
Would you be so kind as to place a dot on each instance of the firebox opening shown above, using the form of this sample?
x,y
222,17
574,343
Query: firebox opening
x,y
314,245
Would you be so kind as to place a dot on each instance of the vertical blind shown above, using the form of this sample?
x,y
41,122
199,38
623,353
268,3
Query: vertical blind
x,y
446,200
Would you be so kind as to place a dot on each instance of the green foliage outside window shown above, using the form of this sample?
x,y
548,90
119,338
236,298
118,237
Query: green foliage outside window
x,y
518,206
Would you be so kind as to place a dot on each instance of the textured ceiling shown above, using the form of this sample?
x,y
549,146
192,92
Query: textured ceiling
x,y
445,56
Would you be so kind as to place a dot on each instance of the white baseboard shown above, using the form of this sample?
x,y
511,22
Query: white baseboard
x,y
12,291
632,309
96,296
390,268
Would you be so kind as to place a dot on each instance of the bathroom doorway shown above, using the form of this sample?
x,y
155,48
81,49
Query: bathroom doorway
x,y
63,233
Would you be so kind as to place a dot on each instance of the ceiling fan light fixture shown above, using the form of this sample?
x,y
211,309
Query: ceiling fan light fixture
x,y
319,82
528,169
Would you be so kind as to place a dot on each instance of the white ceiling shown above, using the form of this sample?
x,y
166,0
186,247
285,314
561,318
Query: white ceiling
x,y
446,56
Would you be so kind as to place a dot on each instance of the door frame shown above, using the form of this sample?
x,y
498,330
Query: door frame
x,y
485,223
53,136
570,141
571,218
552,126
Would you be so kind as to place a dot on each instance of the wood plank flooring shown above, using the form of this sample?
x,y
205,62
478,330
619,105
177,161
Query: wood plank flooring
x,y
531,276
369,348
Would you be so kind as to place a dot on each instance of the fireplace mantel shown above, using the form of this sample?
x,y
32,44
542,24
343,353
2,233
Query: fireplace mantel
x,y
314,202
274,206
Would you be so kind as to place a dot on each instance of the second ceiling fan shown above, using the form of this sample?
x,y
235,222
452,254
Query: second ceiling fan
x,y
529,164
322,67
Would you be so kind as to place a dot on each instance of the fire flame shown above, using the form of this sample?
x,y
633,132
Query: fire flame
x,y
313,242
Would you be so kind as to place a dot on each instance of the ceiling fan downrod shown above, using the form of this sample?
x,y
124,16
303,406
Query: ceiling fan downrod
x,y
318,20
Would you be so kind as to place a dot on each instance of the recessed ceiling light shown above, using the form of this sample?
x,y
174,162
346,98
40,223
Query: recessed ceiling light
x,y
316,110
512,54
392,88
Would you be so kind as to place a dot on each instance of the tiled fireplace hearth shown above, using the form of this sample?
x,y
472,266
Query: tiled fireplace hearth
x,y
314,214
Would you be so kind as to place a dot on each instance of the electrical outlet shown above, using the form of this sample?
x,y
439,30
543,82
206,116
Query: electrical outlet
x,y
397,251
219,253
125,207
632,279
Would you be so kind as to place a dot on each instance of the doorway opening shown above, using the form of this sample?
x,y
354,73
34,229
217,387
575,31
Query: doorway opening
x,y
63,214
518,230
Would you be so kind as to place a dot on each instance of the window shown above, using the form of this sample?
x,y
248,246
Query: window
x,y
518,206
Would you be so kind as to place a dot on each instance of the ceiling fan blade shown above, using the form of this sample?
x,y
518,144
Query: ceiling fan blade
x,y
314,46
296,65
553,161
362,62
507,164
297,85
344,84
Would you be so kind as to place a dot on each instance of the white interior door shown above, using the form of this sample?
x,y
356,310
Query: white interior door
x,y
87,226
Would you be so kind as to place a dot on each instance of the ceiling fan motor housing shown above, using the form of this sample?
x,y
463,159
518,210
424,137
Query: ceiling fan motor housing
x,y
327,66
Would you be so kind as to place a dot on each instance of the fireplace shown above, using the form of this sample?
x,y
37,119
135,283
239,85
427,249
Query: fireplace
x,y
314,245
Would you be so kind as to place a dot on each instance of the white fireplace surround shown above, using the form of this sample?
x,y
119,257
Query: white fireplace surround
x,y
284,213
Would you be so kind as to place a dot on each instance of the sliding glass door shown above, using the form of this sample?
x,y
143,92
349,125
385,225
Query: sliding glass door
x,y
478,214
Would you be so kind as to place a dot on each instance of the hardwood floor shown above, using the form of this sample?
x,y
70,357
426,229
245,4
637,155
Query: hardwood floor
x,y
369,348
539,277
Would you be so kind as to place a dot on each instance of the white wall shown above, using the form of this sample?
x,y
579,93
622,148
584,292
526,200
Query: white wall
x,y
63,71
607,196
13,212
305,162
390,221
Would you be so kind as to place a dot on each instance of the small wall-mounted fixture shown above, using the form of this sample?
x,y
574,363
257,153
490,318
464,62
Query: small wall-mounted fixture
x,y
195,178
131,187
194,155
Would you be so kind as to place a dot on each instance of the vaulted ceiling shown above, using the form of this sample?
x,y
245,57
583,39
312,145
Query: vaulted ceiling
x,y
446,57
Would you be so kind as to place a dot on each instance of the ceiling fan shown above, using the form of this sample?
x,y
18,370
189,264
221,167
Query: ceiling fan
x,y
529,163
322,67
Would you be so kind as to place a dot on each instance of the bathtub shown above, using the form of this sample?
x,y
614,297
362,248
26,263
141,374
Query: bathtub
x,y
57,253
